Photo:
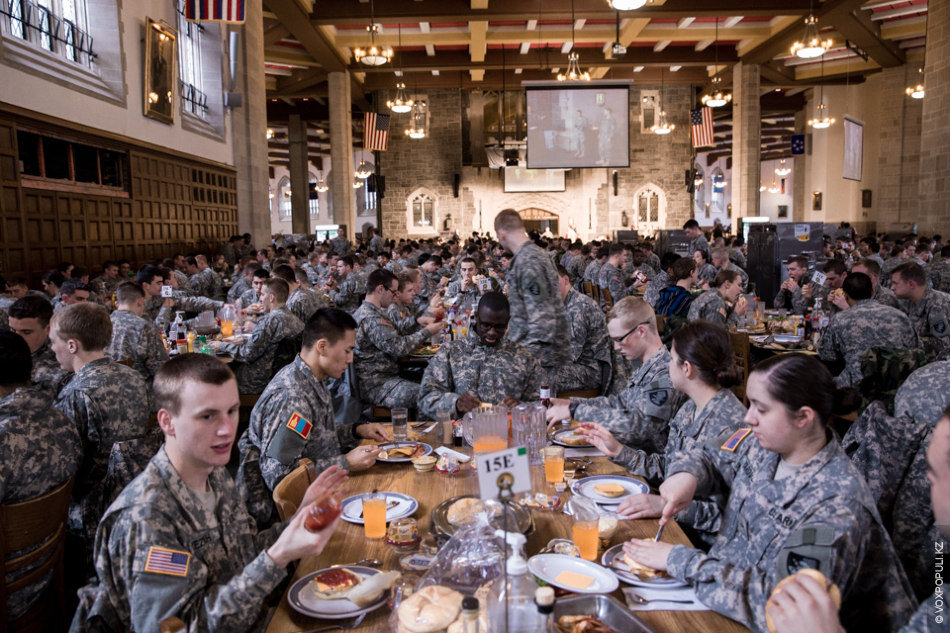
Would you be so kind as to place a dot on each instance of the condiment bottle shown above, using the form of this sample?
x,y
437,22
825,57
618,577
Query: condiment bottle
x,y
545,395
544,599
470,614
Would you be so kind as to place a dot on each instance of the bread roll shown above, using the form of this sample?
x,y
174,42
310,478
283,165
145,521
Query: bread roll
x,y
573,439
463,511
430,609
642,571
816,575
610,489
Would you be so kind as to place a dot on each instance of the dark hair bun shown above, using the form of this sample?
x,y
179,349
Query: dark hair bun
x,y
728,374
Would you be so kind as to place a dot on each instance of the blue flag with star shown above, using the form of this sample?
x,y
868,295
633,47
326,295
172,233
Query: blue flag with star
x,y
798,144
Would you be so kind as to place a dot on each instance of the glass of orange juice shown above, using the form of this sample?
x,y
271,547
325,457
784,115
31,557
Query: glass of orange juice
x,y
584,534
227,328
374,515
554,465
490,429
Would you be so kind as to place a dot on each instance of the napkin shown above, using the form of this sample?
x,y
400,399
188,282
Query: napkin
x,y
679,593
583,452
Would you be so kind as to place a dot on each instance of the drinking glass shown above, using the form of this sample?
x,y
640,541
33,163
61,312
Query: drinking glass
x,y
585,528
554,464
400,417
528,428
374,515
490,429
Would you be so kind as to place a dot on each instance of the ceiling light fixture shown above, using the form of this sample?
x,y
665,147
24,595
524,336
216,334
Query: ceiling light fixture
x,y
821,120
357,183
626,5
811,45
917,92
663,126
374,55
716,98
417,124
782,169
363,171
573,69
322,185
401,104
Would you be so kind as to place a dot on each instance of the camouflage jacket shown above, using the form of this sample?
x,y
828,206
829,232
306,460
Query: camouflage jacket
x,y
257,352
652,294
938,272
924,395
184,283
347,295
379,346
931,319
404,318
712,307
822,516
575,269
161,316
48,374
238,288
611,279
538,317
464,299
793,300
304,303
699,243
886,296
641,414
854,331
592,272
205,283
489,373
590,344
136,339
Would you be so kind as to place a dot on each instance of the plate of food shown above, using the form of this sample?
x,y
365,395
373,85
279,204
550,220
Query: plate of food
x,y
426,351
574,574
570,438
398,505
341,592
453,513
237,339
608,489
402,452
633,573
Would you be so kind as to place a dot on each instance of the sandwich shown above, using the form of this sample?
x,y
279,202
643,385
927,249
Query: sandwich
x,y
464,510
610,489
407,451
334,584
574,439
641,571
819,577
430,609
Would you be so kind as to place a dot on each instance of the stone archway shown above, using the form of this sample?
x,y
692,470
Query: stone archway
x,y
540,220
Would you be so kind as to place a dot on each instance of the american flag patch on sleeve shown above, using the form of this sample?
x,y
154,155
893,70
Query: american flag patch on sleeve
x,y
733,442
167,561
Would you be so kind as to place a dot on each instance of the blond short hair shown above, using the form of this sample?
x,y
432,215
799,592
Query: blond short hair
x,y
87,323
631,311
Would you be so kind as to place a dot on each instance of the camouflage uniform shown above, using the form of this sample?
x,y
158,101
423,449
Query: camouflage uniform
x,y
248,297
590,362
206,283
712,307
854,331
277,438
428,283
925,619
238,288
304,303
640,416
699,243
376,244
258,351
48,375
108,403
738,257
347,294
931,319
105,287
886,296
887,268
652,293
489,373
225,574
793,301
610,279
924,395
39,450
690,430
653,261
938,272
340,245
464,299
378,347
136,339
538,317
821,515
575,269
404,318
708,272
592,272
184,283
743,274
162,317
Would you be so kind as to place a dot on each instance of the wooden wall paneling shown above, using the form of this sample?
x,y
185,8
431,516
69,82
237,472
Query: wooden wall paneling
x,y
13,246
42,231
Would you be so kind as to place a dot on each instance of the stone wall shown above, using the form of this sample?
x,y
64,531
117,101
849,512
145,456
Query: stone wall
x,y
897,198
934,186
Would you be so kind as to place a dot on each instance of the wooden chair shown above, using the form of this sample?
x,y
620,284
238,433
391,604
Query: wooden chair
x,y
608,299
742,354
589,289
596,293
172,625
290,491
660,322
125,361
579,393
381,414
38,523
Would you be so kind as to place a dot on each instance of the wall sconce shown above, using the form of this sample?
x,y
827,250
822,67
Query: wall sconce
x,y
816,201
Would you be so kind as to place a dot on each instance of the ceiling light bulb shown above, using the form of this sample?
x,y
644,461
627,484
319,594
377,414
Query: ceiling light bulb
x,y
811,45
917,92
626,5
782,169
663,127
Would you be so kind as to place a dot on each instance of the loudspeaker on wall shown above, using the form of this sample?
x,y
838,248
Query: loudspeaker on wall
x,y
456,182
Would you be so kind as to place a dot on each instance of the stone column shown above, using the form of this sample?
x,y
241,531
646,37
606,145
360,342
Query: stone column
x,y
934,185
899,156
299,175
249,130
341,151
746,141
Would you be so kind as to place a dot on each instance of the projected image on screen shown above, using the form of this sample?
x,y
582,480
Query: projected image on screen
x,y
578,127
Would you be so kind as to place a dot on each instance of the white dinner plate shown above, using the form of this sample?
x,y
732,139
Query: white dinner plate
x,y
786,338
548,567
301,601
585,488
400,460
558,438
657,583
398,505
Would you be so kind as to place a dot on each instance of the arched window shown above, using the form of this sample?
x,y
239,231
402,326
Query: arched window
x,y
314,197
649,209
421,212
284,206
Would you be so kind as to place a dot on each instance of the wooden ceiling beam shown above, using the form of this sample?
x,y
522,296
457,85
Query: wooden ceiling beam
x,y
857,26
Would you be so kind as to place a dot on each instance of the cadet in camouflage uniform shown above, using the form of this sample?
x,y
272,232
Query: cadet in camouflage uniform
x,y
161,310
257,353
789,296
484,368
720,259
134,338
610,278
97,400
302,302
178,540
928,309
243,283
465,298
865,324
704,270
403,312
253,294
640,415
106,283
712,305
591,364
938,271
346,295
30,317
592,271
884,296
781,517
663,279
39,447
204,282
924,395
294,417
538,316
697,240
339,245
379,346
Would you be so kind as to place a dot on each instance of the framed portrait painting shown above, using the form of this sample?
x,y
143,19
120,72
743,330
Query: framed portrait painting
x,y
159,84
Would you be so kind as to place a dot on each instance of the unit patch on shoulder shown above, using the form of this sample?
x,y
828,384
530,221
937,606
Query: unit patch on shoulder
x,y
167,561
299,425
733,442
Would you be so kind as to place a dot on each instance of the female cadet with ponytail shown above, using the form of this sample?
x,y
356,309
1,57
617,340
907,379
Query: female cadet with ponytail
x,y
795,501
703,367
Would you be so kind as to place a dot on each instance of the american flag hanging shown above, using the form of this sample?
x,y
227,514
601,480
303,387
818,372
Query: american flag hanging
x,y
701,120
375,131
214,10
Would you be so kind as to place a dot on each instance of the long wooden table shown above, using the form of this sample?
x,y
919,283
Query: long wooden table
x,y
349,545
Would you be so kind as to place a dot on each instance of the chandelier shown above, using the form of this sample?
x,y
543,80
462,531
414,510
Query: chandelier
x,y
716,98
811,45
357,183
401,104
774,188
363,171
322,185
663,126
374,55
573,68
782,169
417,124
917,92
626,5
821,120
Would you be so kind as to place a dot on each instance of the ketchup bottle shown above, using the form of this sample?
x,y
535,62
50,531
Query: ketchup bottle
x,y
322,513
546,395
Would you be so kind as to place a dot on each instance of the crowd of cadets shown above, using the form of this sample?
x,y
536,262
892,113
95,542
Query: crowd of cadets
x,y
150,437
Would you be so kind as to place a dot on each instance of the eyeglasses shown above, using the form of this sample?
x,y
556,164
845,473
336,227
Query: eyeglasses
x,y
394,291
620,339
498,327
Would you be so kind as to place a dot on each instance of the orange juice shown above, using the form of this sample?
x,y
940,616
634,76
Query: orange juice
x,y
227,328
490,443
374,517
585,537
553,469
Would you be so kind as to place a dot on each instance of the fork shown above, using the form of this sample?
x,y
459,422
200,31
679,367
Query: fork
x,y
641,600
339,625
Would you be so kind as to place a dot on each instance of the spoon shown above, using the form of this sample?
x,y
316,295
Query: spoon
x,y
635,597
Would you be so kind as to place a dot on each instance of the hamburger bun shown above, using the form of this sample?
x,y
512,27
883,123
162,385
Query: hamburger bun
x,y
574,439
464,510
610,489
430,609
642,571
815,575
333,584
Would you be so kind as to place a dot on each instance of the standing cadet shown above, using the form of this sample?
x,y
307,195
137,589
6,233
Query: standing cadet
x,y
928,309
39,447
795,501
178,540
30,317
590,363
379,346
538,317
640,415
486,368
697,241
294,417
134,338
